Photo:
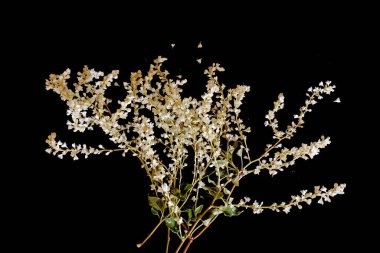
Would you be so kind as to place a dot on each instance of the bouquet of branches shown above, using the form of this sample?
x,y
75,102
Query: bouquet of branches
x,y
194,151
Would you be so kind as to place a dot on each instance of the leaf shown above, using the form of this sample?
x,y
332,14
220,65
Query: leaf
x,y
226,191
236,181
181,196
212,190
211,181
189,214
154,211
230,211
170,222
207,222
198,210
231,150
222,173
221,163
188,187
156,203
176,191
240,152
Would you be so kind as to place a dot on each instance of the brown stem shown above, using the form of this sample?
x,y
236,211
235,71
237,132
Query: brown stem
x,y
188,245
168,241
205,228
151,233
180,246
189,234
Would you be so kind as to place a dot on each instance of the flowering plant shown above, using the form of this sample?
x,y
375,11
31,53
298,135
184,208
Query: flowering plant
x,y
194,151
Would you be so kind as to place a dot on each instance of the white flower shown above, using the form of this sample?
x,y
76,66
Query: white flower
x,y
165,188
313,152
179,220
287,209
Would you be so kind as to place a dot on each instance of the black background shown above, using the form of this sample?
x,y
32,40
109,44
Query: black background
x,y
100,203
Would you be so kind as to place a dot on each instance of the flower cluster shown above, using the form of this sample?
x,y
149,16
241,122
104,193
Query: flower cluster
x,y
194,151
322,193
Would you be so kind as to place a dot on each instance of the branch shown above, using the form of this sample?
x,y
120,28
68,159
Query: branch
x,y
306,197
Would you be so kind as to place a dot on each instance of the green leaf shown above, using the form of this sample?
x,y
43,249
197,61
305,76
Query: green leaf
x,y
181,196
211,181
240,152
221,163
230,211
223,173
189,213
154,211
156,203
207,222
198,210
226,191
188,187
231,149
170,222
176,191
213,191
236,181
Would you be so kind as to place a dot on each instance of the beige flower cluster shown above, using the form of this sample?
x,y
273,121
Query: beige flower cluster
x,y
193,150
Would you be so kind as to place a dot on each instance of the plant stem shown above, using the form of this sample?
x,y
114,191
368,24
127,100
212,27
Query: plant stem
x,y
204,229
266,152
180,245
191,240
154,230
168,241
189,233
188,245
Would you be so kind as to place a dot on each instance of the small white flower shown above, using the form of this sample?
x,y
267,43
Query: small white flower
x,y
200,44
287,209
313,152
179,220
199,60
165,188
337,100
